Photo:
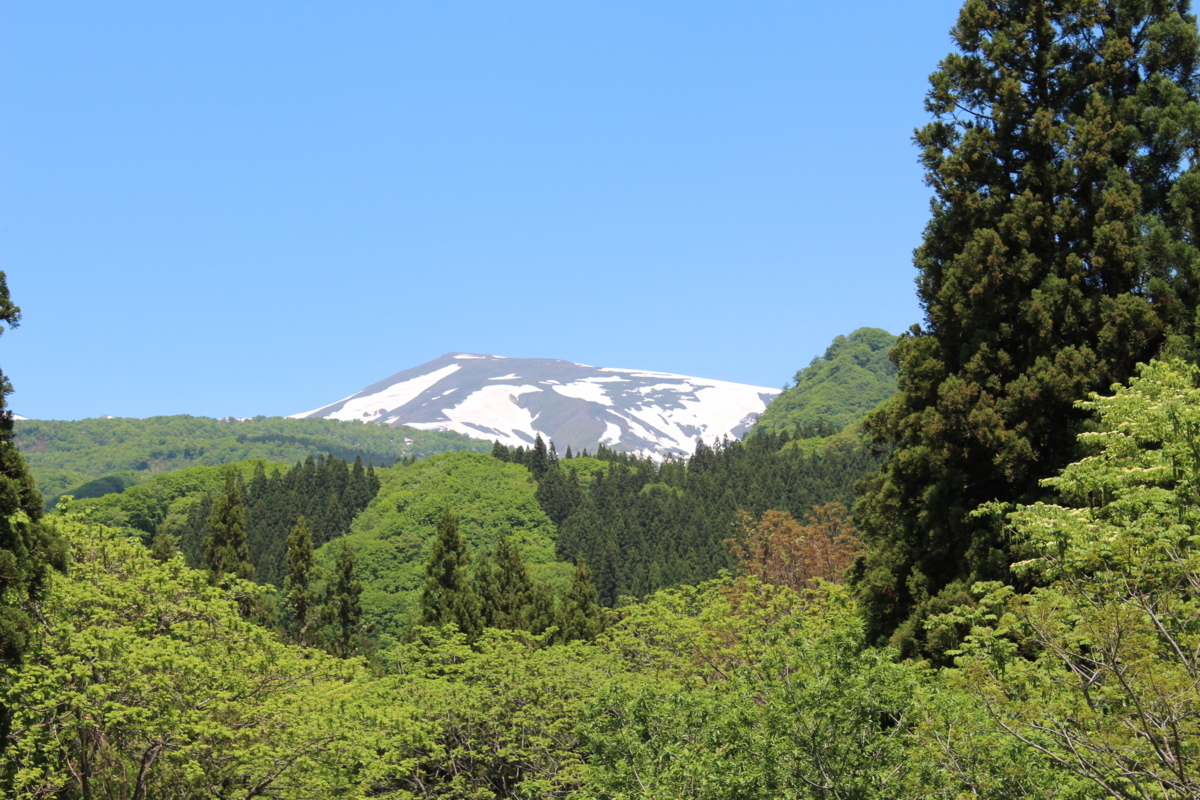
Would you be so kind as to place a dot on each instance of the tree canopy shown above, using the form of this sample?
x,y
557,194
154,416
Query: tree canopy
x,y
1059,254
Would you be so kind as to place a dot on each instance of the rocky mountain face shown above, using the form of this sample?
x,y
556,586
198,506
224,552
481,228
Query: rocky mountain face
x,y
512,400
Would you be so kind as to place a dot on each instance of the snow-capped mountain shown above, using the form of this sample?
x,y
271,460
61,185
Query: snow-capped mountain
x,y
512,400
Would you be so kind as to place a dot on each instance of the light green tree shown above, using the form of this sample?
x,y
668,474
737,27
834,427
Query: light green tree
x,y
148,683
1098,673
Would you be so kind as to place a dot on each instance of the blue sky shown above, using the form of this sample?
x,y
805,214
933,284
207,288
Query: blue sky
x,y
241,208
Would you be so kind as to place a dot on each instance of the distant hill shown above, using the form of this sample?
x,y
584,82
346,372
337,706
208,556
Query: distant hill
x,y
64,455
848,381
513,400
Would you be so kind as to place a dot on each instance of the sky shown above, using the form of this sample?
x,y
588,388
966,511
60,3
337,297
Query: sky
x,y
242,208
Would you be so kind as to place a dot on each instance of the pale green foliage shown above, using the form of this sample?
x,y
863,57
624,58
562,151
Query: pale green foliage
x,y
750,691
147,683
505,712
394,537
847,382
1112,692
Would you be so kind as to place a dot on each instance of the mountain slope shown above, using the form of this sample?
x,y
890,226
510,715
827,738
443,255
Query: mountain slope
x,y
848,381
512,400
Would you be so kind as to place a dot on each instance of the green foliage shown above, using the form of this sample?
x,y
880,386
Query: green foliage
x,y
853,377
225,551
448,597
29,548
505,713
148,684
300,593
505,590
579,612
163,500
1059,254
326,491
394,537
99,447
1104,658
342,611
641,526
755,693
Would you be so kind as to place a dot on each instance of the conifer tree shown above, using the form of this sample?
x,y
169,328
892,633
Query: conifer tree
x,y
300,596
162,547
447,597
579,612
506,595
343,606
539,458
225,551
1059,254
29,548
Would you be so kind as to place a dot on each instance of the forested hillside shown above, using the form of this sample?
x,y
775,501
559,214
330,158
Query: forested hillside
x,y
64,456
642,526
854,375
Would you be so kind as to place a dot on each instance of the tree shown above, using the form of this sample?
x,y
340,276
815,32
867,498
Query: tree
x,y
778,549
300,595
225,551
147,683
29,549
506,596
1059,254
343,606
447,597
1096,672
579,611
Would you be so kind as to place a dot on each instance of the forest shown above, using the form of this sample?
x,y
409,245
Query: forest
x,y
962,563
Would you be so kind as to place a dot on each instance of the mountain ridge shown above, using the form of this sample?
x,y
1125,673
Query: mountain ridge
x,y
513,400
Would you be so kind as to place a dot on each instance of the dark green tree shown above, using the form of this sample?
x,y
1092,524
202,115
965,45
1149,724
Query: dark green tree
x,y
505,591
29,548
447,597
300,593
1059,254
162,547
579,611
342,610
225,551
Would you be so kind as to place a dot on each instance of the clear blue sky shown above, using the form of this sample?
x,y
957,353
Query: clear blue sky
x,y
241,208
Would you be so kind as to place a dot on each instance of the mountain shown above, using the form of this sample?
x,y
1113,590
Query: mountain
x,y
853,377
512,400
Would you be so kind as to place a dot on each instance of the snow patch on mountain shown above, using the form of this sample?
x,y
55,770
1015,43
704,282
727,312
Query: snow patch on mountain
x,y
513,400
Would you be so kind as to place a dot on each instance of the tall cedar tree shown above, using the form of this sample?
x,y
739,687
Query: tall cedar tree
x,y
343,606
1059,255
447,597
225,551
505,590
300,596
29,548
579,611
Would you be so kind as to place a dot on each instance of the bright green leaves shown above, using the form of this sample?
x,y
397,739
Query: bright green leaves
x,y
1103,660
148,683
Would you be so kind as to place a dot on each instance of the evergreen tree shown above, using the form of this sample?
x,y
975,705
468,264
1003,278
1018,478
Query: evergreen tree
x,y
162,547
343,606
1058,256
300,596
539,458
579,612
447,597
29,549
505,593
225,551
